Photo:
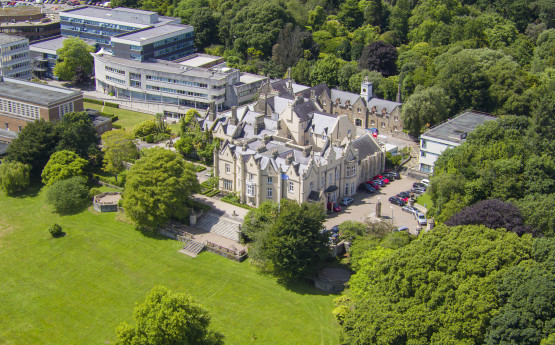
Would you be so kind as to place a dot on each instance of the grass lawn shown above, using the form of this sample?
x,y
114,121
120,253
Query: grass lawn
x,y
78,288
127,118
425,200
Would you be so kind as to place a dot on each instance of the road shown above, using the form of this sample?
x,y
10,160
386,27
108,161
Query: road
x,y
364,206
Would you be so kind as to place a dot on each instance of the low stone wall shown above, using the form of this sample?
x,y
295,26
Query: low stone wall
x,y
101,206
226,252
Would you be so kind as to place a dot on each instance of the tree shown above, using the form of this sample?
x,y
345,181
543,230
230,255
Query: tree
x,y
399,20
63,165
492,213
292,44
379,56
349,230
69,196
80,77
326,71
350,14
537,211
206,27
157,188
258,221
438,289
167,318
425,107
145,128
14,176
34,145
77,134
118,147
74,54
293,245
300,73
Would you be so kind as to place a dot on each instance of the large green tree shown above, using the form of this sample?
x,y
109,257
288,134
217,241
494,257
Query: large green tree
x,y
63,165
74,53
290,245
157,188
168,318
425,107
118,147
14,176
439,289
34,145
69,196
77,134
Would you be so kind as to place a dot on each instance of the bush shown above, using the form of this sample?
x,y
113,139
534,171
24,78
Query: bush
x,y
161,137
93,192
145,128
115,118
55,230
63,165
14,176
112,105
94,101
149,138
69,196
116,126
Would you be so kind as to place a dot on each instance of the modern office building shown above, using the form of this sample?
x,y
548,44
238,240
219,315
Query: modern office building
x,y
14,57
448,134
129,33
193,81
22,102
29,22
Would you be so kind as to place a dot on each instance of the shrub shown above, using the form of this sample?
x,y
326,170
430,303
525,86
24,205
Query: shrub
x,y
63,165
55,230
112,105
115,118
145,128
93,192
116,126
94,101
161,137
149,138
14,176
69,196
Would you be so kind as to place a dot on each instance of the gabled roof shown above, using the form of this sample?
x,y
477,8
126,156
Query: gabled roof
x,y
381,104
322,123
281,87
366,146
318,90
305,110
343,96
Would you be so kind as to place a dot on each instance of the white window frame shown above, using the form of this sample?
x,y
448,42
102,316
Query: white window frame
x,y
270,180
269,193
227,168
291,187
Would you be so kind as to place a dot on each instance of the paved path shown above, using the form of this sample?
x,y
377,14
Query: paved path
x,y
364,206
219,207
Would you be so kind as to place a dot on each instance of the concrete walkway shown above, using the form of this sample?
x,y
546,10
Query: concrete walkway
x,y
222,208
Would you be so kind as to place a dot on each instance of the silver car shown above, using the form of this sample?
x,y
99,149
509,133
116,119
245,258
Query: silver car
x,y
410,209
421,218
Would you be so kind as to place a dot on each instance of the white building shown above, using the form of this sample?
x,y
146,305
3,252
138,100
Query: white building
x,y
14,57
448,134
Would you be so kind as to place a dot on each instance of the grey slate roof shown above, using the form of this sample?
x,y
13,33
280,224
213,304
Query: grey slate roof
x,y
323,123
381,104
366,146
305,110
343,96
456,129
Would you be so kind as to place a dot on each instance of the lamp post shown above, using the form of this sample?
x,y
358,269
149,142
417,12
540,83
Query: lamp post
x,y
391,215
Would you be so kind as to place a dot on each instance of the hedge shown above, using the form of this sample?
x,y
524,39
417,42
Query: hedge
x,y
116,126
100,102
213,192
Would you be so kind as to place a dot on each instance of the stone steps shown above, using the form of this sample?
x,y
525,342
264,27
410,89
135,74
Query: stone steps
x,y
192,248
219,225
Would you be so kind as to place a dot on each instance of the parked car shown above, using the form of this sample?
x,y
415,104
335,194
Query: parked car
x,y
404,194
425,182
410,209
379,182
333,207
396,201
403,197
419,185
365,187
418,190
421,218
392,175
346,201
402,228
380,177
373,185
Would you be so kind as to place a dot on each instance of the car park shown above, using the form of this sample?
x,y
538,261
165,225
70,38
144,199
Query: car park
x,y
396,201
421,218
333,207
346,201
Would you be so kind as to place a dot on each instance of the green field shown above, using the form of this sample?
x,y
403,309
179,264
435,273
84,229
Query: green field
x,y
78,288
126,118
425,200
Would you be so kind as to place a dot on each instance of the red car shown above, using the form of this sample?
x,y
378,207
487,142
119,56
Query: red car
x,y
334,207
375,185
385,180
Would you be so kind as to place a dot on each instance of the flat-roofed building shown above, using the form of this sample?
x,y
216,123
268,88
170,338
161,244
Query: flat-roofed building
x,y
175,82
22,102
14,57
29,22
102,24
446,135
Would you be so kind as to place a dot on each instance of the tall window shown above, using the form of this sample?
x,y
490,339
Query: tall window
x,y
228,185
346,188
311,185
270,180
323,181
250,190
269,194
65,108
227,168
331,178
291,188
250,176
352,188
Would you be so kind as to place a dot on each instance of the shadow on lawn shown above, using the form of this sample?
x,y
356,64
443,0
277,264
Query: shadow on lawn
x,y
29,192
305,287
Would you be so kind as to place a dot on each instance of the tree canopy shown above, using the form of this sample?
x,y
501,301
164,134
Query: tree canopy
x,y
157,188
69,196
74,55
118,147
14,176
77,134
63,165
167,318
287,244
